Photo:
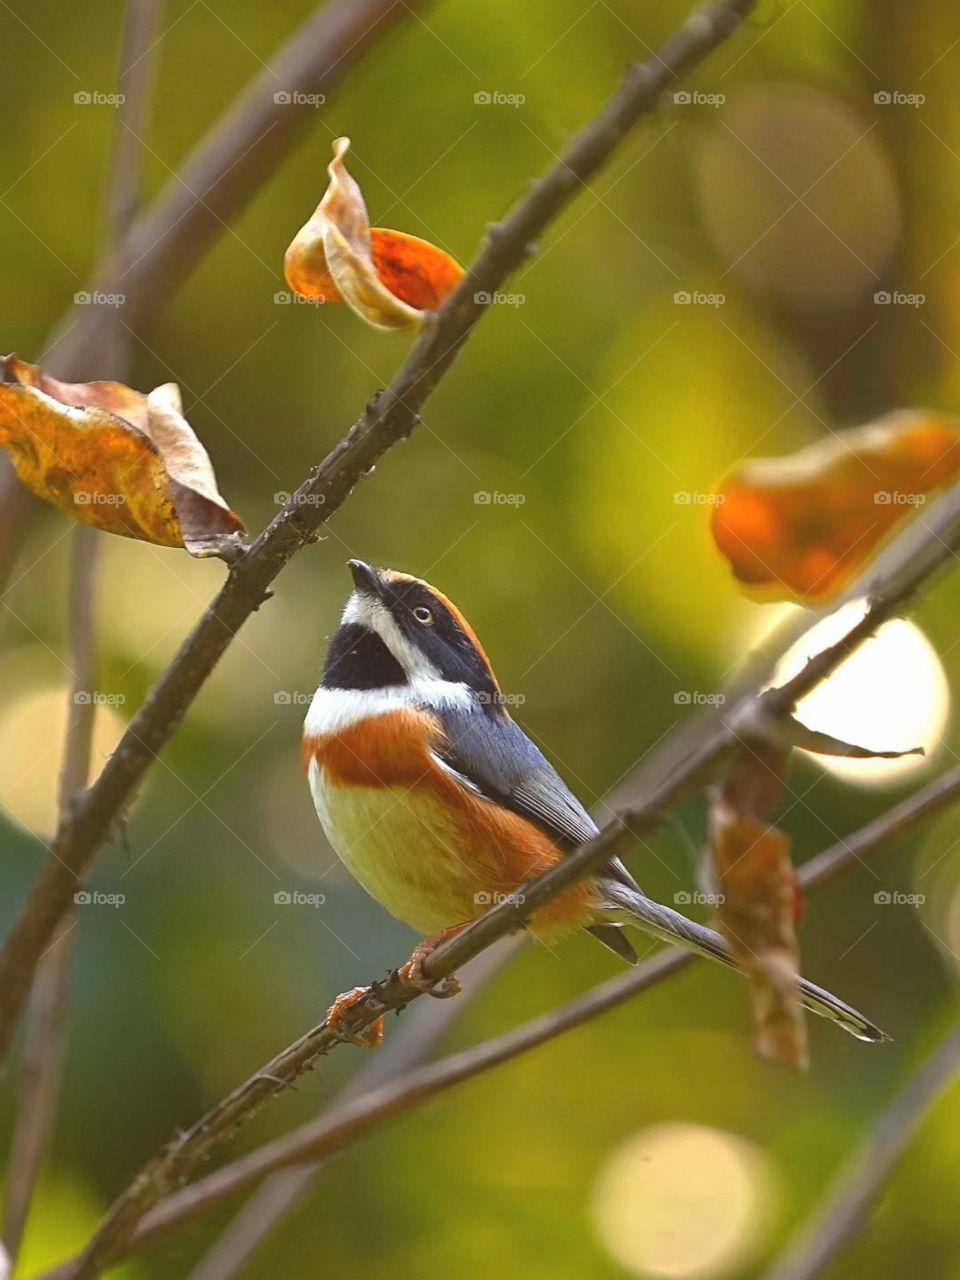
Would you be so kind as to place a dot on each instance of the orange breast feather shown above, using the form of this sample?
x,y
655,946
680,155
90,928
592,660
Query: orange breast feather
x,y
499,850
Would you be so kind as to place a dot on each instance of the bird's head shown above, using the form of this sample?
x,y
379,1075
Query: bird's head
x,y
399,630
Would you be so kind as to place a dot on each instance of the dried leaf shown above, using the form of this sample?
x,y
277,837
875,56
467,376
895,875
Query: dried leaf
x,y
800,527
389,278
115,458
757,903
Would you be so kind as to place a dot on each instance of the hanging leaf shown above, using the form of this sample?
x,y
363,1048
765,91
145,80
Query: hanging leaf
x,y
115,458
758,899
389,278
756,916
800,527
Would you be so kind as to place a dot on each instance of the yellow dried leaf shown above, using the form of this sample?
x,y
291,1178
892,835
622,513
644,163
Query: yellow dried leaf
x,y
114,458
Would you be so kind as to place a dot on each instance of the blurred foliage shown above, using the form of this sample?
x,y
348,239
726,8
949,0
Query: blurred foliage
x,y
597,400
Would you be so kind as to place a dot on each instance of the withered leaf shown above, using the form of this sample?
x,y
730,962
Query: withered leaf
x,y
757,903
389,278
115,458
800,527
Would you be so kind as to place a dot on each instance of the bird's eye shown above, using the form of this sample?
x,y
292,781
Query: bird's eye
x,y
423,614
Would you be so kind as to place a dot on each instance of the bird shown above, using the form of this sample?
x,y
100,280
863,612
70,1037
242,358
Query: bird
x,y
438,803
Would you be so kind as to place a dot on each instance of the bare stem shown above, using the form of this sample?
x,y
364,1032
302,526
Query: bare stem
x,y
388,418
409,1044
227,167
750,717
867,1173
359,1114
45,1043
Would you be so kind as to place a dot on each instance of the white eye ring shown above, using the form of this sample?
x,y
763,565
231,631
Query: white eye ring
x,y
423,614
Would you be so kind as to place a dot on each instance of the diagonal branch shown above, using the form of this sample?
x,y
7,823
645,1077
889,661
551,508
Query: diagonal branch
x,y
389,417
410,1044
751,718
45,1040
228,166
233,161
261,1214
867,1174
924,547
320,1138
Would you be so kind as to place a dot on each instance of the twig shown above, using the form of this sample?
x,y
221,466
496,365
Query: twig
x,y
46,1026
408,1045
867,1173
923,549
388,418
235,158
750,717
271,1202
923,804
229,165
321,1138
44,1044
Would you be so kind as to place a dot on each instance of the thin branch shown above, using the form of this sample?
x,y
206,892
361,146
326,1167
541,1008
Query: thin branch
x,y
749,718
389,417
409,1044
46,1026
234,159
922,548
896,822
329,1133
272,1202
867,1173
226,169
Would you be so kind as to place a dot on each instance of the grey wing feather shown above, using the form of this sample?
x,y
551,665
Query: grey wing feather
x,y
495,758
493,755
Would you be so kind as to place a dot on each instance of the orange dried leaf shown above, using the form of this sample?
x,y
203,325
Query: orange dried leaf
x,y
115,458
389,278
800,527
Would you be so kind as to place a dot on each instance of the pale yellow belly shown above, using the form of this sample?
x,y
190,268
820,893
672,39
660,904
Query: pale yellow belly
x,y
403,847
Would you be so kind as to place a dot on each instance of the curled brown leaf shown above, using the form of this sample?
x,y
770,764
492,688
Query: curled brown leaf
x,y
389,278
115,458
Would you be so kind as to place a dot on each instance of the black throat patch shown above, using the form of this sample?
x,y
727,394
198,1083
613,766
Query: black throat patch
x,y
358,659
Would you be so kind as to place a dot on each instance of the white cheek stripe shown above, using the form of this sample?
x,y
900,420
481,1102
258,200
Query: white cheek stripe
x,y
333,710
373,614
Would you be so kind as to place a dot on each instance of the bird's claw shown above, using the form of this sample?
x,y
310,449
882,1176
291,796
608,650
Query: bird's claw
x,y
412,971
370,1036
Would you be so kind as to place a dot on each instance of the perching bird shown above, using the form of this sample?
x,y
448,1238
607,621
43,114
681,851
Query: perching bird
x,y
438,802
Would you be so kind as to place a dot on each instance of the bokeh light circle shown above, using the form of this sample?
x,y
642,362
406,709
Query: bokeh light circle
x,y
684,1202
823,215
32,732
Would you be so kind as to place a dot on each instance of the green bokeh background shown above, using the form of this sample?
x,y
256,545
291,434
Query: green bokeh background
x,y
596,400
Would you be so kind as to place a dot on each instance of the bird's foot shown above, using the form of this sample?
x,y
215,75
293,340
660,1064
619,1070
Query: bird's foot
x,y
370,1037
412,971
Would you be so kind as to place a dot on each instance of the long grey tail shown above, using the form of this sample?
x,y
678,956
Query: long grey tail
x,y
677,929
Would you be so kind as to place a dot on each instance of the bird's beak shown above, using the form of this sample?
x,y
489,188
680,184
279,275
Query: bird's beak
x,y
366,579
